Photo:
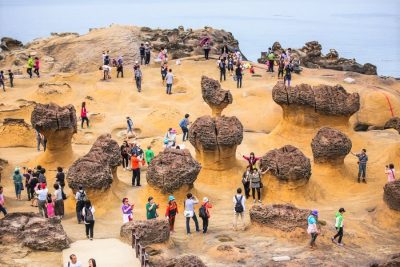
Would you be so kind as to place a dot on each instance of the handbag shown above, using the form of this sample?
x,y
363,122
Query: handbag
x,y
188,213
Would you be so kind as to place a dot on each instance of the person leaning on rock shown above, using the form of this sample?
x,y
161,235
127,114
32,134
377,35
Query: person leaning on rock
x,y
362,164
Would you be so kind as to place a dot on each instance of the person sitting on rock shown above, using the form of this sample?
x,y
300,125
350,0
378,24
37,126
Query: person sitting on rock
x,y
170,138
170,214
362,164
252,159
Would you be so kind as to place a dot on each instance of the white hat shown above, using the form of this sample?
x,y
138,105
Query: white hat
x,y
136,62
205,199
147,43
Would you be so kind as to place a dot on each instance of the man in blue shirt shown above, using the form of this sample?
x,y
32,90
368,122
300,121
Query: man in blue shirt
x,y
184,126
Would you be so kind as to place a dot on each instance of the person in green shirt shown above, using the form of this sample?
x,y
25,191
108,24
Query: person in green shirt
x,y
30,66
149,155
17,178
151,209
271,61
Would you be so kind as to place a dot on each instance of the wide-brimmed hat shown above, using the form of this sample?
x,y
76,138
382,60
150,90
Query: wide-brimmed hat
x,y
314,212
170,198
205,199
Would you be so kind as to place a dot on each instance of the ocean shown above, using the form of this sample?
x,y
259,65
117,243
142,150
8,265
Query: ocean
x,y
367,30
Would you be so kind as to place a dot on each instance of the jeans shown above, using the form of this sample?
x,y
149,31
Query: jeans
x,y
280,72
78,209
271,66
235,219
125,161
287,78
246,189
36,71
142,59
42,208
222,73
253,192
362,169
2,84
3,210
29,71
339,234
206,53
169,88
28,191
11,82
89,227
195,222
239,81
147,61
136,177
171,223
185,131
18,188
121,70
205,225
138,83
83,120
313,238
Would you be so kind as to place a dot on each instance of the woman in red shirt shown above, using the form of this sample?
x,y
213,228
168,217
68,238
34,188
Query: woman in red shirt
x,y
207,205
84,116
170,214
252,160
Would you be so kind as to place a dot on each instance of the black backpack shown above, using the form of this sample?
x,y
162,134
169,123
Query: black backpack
x,y
88,216
238,205
82,196
203,212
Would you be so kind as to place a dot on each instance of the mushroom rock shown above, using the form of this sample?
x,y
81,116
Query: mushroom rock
x,y
276,46
17,133
58,125
8,44
305,105
148,231
393,123
214,95
98,168
186,261
391,195
33,231
287,163
280,216
215,140
330,145
171,169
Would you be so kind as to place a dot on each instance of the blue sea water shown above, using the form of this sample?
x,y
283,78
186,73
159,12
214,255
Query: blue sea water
x,y
368,30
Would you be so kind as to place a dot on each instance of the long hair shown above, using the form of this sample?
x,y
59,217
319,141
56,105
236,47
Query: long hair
x,y
83,104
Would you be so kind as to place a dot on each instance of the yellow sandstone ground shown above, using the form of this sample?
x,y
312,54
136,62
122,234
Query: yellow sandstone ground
x,y
371,229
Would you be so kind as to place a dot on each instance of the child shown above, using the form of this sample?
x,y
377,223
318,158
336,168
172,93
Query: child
x,y
50,206
11,77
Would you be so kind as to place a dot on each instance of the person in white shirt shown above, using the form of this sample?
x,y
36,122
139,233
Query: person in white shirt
x,y
239,208
189,212
88,219
170,80
73,262
42,191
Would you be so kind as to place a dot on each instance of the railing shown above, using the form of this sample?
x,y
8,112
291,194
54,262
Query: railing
x,y
140,250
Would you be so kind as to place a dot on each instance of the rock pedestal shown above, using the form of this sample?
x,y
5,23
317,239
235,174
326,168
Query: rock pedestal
x,y
217,98
149,231
391,195
393,123
17,133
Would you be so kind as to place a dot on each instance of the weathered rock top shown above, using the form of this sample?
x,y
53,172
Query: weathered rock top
x,y
53,117
214,95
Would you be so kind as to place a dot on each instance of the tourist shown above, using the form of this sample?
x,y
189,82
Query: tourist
x,y
92,262
170,80
129,126
142,53
38,139
281,67
222,70
164,72
125,155
50,206
147,50
106,72
149,155
60,178
288,74
2,83
44,142
107,58
271,61
37,67
239,76
11,78
30,66
138,78
58,201
84,115
88,218
170,138
255,184
230,64
252,159
73,261
189,212
120,67
41,177
162,56
206,48
27,177
127,210
390,171
80,198
184,126
42,192
151,209
170,214
238,208
362,164
339,227
2,202
246,181
135,164
18,185
33,182
204,213
224,52
312,227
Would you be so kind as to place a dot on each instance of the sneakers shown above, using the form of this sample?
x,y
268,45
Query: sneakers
x,y
259,201
364,181
254,201
358,180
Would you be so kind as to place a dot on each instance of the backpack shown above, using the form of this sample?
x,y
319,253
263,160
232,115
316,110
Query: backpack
x,y
181,124
82,196
172,212
238,205
203,212
88,216
42,178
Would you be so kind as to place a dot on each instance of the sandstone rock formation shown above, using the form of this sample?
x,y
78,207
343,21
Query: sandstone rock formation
x,y
33,231
98,168
280,216
392,261
330,145
57,124
149,231
310,55
8,44
287,163
171,169
391,194
216,139
393,123
186,261
53,88
16,132
214,95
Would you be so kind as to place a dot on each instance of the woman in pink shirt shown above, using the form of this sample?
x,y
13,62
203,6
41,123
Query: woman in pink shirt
x,y
391,173
84,116
37,66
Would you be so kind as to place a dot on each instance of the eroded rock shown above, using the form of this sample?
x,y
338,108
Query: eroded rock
x,y
17,133
330,145
97,169
393,123
391,194
171,169
287,163
8,44
280,216
33,231
148,231
214,95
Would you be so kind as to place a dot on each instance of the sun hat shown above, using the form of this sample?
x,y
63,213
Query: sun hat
x,y
16,169
205,199
170,198
314,212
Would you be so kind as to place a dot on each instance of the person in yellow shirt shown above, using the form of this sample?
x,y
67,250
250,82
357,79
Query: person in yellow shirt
x,y
30,66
